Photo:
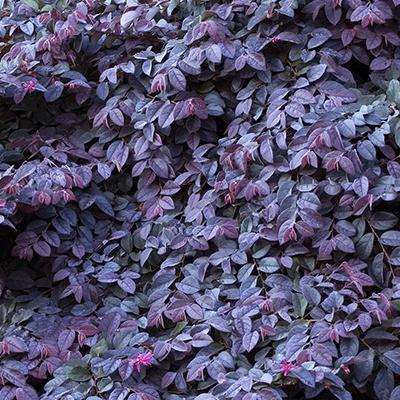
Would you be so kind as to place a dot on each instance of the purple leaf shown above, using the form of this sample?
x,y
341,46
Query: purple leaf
x,y
198,243
391,238
201,340
364,321
213,53
128,285
382,220
110,322
188,285
304,376
347,36
344,243
311,217
250,340
65,339
15,344
346,164
256,61
359,13
125,369
166,116
321,355
160,167
116,116
391,359
177,79
338,91
194,311
380,63
168,379
42,248
361,186
247,239
8,392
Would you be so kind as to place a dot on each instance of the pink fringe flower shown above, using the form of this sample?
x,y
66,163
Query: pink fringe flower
x,y
345,369
142,359
29,87
287,367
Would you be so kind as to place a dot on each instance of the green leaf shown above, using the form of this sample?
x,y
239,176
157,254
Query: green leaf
x,y
396,304
62,5
79,374
365,245
268,265
393,90
179,328
55,383
122,339
99,348
260,249
31,3
105,384
299,303
3,314
21,316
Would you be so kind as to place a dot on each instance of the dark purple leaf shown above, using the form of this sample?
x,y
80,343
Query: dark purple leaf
x,y
344,243
125,369
338,91
256,61
304,376
321,355
42,248
54,91
168,379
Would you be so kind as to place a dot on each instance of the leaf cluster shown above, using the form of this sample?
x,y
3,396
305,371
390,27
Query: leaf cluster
x,y
214,183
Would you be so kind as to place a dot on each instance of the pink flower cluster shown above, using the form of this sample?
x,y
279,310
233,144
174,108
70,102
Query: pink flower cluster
x,y
29,87
142,359
287,367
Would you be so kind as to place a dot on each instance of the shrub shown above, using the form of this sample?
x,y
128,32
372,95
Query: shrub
x,y
199,199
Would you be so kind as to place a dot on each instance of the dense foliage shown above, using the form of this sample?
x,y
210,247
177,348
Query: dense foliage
x,y
199,199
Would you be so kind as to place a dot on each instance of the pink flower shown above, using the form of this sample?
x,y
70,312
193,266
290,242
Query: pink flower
x,y
275,39
345,369
29,87
287,367
142,359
